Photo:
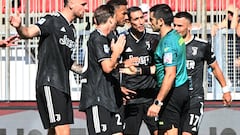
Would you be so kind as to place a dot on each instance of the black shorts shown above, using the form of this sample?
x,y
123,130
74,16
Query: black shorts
x,y
101,121
194,115
174,104
134,114
55,107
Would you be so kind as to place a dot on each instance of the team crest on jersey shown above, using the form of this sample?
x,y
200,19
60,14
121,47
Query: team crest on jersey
x,y
194,50
106,48
148,45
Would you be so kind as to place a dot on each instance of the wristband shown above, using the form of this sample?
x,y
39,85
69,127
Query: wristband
x,y
146,70
225,89
138,71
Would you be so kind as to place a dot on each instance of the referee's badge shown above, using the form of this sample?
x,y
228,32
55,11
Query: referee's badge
x,y
106,48
194,50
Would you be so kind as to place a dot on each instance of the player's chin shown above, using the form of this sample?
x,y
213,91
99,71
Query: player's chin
x,y
81,15
141,28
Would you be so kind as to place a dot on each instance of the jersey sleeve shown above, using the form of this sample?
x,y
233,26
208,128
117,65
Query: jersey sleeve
x,y
169,53
44,25
209,54
103,51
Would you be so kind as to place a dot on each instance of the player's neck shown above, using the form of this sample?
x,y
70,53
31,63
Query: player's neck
x,y
136,33
67,14
164,30
104,29
188,37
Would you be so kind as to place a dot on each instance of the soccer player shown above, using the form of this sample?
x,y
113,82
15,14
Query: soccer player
x,y
171,72
198,51
57,41
98,97
120,7
140,88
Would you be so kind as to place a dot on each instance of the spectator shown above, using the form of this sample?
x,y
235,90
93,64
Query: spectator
x,y
230,22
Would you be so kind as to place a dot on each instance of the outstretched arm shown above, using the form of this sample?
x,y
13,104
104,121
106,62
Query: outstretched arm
x,y
9,41
24,32
227,98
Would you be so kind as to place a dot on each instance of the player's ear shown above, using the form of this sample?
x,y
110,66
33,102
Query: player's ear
x,y
70,4
110,19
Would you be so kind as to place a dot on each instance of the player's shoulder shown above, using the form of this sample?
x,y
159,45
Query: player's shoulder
x,y
197,39
97,36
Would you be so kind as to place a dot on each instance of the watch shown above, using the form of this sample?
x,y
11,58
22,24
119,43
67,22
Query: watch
x,y
158,102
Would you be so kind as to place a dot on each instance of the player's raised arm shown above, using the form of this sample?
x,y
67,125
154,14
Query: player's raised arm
x,y
23,31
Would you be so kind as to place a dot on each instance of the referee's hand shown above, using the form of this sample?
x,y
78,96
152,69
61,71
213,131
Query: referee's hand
x,y
153,110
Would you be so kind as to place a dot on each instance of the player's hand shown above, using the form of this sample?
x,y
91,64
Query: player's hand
x,y
129,71
118,47
10,41
227,99
128,94
134,61
153,110
15,21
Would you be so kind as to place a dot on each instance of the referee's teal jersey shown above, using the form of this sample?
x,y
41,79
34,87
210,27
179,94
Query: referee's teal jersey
x,y
171,51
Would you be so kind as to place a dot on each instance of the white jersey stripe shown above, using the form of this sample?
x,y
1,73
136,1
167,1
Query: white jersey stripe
x,y
49,104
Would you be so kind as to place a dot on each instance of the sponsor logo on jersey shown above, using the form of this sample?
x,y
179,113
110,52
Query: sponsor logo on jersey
x,y
67,42
143,60
190,64
168,58
106,48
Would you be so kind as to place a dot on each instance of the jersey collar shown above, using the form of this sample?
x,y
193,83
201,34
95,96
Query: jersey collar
x,y
192,37
137,39
65,18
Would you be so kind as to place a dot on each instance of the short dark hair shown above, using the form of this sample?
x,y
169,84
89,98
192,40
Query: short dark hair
x,y
132,9
163,11
102,13
65,2
186,15
117,3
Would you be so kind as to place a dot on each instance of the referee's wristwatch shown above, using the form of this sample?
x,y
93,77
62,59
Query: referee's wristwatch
x,y
158,102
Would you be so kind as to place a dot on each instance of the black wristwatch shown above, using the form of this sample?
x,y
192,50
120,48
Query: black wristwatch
x,y
158,102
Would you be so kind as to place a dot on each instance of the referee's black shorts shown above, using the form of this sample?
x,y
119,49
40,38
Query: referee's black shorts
x,y
174,104
134,114
55,107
